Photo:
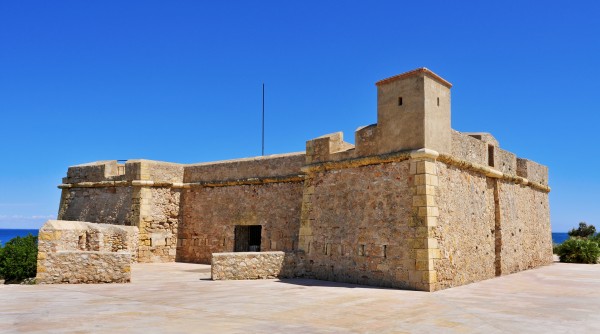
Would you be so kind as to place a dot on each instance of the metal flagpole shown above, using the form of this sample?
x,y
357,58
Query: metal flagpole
x,y
263,119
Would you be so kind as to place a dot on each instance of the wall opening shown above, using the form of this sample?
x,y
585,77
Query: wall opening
x,y
399,101
438,101
247,238
490,155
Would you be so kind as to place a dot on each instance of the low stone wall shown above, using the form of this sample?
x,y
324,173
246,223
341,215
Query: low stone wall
x,y
81,252
85,267
253,265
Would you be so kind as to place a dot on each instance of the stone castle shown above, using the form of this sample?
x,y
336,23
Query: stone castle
x,y
412,204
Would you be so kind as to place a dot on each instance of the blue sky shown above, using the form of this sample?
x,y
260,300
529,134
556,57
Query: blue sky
x,y
180,81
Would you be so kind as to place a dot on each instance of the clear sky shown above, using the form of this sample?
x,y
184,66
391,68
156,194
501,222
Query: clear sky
x,y
180,81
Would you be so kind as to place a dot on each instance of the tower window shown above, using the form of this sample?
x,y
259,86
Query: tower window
x,y
438,101
399,101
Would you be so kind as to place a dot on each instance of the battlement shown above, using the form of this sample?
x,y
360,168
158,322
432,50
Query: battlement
x,y
414,113
112,171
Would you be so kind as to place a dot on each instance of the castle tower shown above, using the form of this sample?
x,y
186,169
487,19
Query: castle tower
x,y
413,112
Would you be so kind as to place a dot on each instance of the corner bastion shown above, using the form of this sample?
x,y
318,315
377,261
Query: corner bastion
x,y
412,204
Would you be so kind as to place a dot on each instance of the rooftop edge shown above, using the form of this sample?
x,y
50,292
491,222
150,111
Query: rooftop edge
x,y
421,70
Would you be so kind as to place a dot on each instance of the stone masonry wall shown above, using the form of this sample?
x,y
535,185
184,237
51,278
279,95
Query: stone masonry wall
x,y
355,225
210,215
158,224
77,267
526,237
251,265
82,252
258,167
465,227
107,205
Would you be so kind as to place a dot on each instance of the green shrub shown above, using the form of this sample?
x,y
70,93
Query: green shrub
x,y
583,231
18,259
578,250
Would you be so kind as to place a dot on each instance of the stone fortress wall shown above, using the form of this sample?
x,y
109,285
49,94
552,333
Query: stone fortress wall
x,y
412,204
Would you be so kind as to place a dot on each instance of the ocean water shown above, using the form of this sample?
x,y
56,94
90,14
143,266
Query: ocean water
x,y
560,237
7,234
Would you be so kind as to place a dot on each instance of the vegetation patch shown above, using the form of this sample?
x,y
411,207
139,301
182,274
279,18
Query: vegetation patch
x,y
18,259
583,245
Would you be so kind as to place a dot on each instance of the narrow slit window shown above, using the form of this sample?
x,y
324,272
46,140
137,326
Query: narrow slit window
x,y
490,155
400,101
438,101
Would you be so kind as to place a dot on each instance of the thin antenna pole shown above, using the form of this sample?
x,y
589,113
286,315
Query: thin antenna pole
x,y
263,119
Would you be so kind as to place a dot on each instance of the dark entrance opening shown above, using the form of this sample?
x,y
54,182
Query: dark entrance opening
x,y
247,238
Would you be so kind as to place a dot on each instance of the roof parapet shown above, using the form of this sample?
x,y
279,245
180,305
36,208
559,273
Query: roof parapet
x,y
418,71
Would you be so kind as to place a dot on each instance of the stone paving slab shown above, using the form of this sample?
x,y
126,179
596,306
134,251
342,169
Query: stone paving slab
x,y
181,298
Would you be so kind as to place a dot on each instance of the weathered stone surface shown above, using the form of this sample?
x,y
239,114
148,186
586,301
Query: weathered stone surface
x,y
483,136
253,265
81,252
469,149
526,234
95,171
505,161
532,171
158,224
465,227
258,167
85,267
106,205
357,223
210,215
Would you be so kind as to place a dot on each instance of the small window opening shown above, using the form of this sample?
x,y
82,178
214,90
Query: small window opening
x,y
438,101
399,101
384,251
490,155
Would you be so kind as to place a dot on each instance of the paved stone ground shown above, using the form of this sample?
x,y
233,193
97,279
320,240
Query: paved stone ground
x,y
180,298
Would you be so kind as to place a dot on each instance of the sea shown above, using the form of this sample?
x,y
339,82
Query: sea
x,y
7,234
559,237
